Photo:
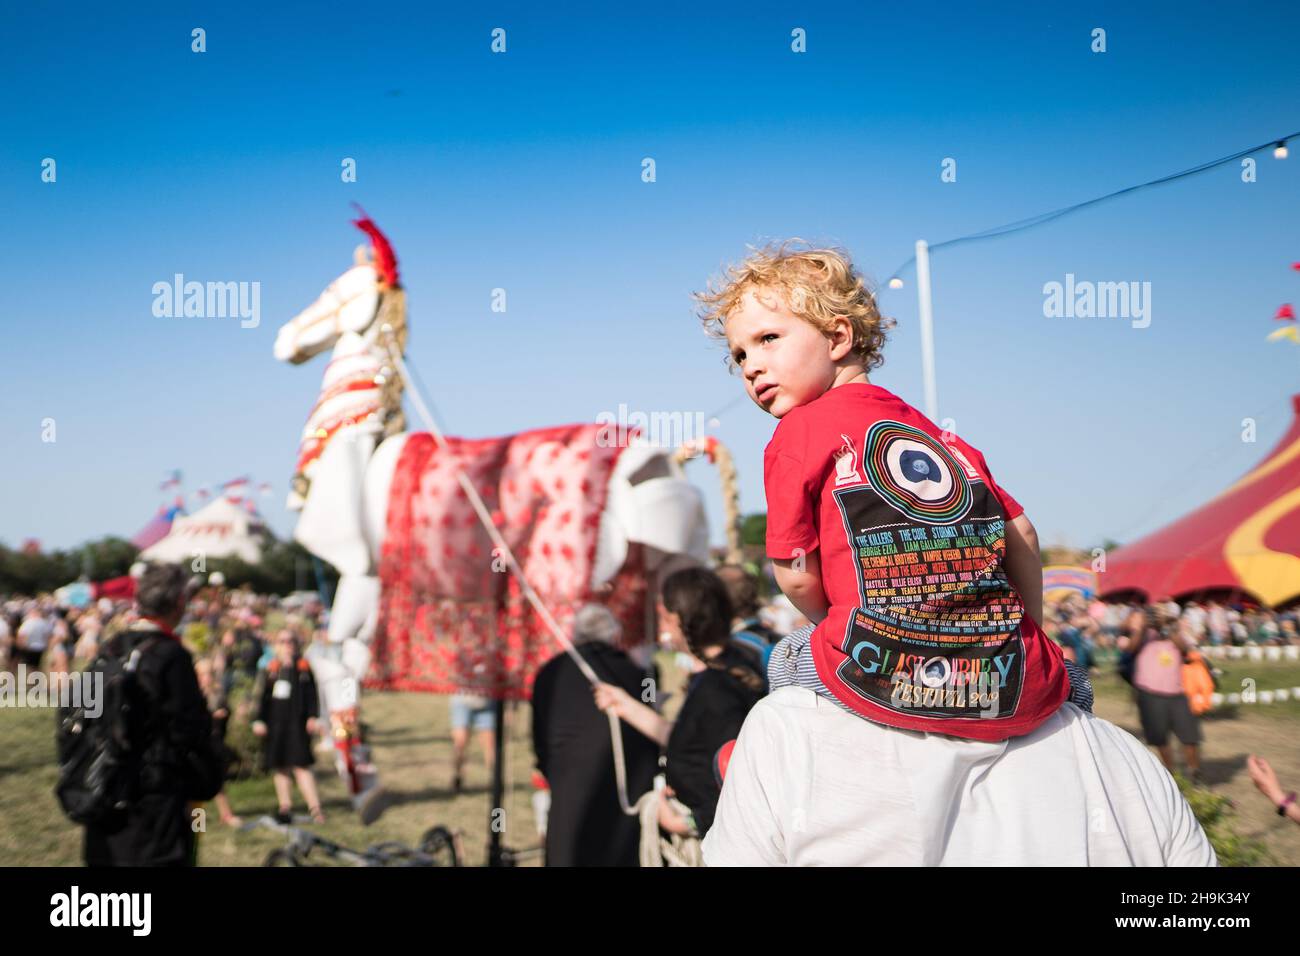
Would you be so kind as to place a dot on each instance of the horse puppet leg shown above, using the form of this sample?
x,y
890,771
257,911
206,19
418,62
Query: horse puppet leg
x,y
332,527
335,666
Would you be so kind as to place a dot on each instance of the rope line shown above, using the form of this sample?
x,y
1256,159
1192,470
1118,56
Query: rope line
x,y
504,550
1046,217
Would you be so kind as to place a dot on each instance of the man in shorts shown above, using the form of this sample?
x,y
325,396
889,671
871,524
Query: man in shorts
x,y
1159,646
471,712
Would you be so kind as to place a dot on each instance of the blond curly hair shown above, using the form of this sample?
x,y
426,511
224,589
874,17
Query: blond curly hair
x,y
817,285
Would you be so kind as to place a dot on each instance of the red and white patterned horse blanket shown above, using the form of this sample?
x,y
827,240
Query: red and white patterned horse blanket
x,y
452,615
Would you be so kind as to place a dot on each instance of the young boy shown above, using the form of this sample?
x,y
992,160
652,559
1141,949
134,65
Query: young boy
x,y
921,574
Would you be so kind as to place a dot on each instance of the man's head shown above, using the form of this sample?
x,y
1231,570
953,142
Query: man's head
x,y
162,592
796,322
742,588
1159,621
595,622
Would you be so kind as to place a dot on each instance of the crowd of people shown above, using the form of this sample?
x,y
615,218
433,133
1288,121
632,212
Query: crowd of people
x,y
239,669
715,623
248,672
1087,629
1155,648
724,651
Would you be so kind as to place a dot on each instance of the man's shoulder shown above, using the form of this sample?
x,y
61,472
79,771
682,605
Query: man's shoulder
x,y
795,710
785,701
1086,722
1110,745
160,649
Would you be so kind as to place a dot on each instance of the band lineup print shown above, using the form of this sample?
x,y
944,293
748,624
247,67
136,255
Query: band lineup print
x,y
956,653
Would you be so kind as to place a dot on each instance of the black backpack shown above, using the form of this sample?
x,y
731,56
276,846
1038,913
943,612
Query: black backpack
x,y
99,756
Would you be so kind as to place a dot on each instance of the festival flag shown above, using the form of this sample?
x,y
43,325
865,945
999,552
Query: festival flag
x,y
174,481
202,494
1285,313
1286,332
236,487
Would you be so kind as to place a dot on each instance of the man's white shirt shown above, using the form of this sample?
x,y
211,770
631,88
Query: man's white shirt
x,y
811,784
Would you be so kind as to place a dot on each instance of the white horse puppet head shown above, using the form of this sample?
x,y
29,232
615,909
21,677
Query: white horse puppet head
x,y
359,315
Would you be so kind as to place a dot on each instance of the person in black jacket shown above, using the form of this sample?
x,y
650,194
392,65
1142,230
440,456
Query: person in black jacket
x,y
178,765
696,613
571,738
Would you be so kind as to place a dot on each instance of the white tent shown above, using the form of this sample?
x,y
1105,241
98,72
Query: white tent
x,y
223,529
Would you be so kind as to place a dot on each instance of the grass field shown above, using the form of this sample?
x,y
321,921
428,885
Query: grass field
x,y
410,734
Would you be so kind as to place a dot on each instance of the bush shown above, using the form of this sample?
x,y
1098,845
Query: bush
x,y
30,573
1214,812
247,746
198,638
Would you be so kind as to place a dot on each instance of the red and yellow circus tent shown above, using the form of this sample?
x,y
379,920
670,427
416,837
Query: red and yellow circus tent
x,y
1246,540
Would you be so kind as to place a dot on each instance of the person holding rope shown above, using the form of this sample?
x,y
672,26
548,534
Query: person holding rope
x,y
919,720
696,614
585,825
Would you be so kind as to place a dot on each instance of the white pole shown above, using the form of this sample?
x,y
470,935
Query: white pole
x,y
927,329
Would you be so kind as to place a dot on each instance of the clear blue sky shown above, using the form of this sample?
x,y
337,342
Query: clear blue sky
x,y
522,171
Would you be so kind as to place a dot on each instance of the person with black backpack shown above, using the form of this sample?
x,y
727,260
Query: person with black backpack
x,y
130,769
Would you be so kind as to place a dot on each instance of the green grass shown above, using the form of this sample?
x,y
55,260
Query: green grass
x,y
411,737
33,831
410,734
412,743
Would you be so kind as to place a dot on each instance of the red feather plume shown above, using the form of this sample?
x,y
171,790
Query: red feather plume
x,y
385,258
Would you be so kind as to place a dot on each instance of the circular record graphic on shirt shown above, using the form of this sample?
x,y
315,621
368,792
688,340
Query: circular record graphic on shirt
x,y
915,474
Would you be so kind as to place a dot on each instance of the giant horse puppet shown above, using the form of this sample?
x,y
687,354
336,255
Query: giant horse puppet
x,y
422,601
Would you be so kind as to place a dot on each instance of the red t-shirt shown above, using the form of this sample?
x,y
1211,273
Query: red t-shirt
x,y
924,631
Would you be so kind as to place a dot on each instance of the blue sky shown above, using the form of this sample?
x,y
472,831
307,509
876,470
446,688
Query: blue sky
x,y
522,171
